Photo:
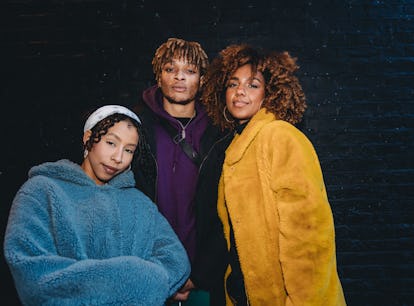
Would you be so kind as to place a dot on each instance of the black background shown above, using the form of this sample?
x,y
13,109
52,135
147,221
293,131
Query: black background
x,y
60,58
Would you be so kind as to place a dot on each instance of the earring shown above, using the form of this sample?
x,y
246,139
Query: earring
x,y
225,116
85,153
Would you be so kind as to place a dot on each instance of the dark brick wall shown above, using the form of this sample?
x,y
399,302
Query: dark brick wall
x,y
59,58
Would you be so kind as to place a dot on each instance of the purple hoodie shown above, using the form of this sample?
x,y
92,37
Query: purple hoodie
x,y
177,174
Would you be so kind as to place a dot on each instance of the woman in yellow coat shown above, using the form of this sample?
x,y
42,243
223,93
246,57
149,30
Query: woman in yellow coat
x,y
271,199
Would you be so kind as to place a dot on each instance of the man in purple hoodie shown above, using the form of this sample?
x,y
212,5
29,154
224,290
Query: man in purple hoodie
x,y
179,136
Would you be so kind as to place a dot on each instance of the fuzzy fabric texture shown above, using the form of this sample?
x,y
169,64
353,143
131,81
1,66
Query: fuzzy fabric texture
x,y
71,242
273,191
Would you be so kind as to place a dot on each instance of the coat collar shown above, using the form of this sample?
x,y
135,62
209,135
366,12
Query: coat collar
x,y
240,143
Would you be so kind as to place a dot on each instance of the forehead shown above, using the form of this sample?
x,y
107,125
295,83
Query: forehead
x,y
246,71
124,130
180,61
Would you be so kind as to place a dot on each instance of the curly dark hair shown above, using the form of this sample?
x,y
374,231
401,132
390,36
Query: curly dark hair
x,y
190,51
284,96
102,127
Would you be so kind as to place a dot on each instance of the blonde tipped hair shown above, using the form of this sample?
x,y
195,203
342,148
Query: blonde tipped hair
x,y
189,51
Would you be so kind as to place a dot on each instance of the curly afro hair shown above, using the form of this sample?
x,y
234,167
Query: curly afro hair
x,y
284,95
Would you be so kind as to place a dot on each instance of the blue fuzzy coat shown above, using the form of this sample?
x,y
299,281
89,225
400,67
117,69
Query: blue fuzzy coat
x,y
71,242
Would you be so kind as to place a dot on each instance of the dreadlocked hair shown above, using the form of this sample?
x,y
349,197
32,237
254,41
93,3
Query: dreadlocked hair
x,y
189,51
284,95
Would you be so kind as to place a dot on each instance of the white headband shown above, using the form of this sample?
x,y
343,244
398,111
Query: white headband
x,y
106,111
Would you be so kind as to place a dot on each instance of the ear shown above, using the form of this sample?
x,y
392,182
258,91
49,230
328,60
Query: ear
x,y
86,135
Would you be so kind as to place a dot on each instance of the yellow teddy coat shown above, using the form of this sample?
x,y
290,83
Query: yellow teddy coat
x,y
273,191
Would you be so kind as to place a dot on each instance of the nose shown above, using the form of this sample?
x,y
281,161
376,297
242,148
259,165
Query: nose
x,y
240,90
180,75
117,156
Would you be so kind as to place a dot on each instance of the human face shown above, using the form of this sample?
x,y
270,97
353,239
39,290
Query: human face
x,y
179,81
112,154
245,93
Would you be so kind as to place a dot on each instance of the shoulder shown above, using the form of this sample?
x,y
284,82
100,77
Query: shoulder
x,y
281,136
280,126
280,129
41,178
37,187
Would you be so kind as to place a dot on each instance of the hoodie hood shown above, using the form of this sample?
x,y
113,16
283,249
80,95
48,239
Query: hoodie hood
x,y
152,97
68,171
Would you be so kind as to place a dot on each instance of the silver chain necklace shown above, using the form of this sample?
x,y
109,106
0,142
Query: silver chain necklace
x,y
181,136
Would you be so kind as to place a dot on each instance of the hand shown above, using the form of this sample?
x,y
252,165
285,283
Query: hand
x,y
184,292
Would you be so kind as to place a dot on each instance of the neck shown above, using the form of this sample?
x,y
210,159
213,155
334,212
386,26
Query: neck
x,y
179,110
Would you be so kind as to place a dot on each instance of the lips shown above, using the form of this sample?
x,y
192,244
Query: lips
x,y
110,170
239,103
179,88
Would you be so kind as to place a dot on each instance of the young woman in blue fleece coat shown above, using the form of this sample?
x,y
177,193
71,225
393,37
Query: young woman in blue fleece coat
x,y
84,235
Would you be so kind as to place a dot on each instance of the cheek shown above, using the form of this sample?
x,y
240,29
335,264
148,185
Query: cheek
x,y
163,79
229,96
258,100
258,103
127,161
194,83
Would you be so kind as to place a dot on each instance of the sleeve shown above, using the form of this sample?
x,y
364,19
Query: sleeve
x,y
43,276
169,254
306,237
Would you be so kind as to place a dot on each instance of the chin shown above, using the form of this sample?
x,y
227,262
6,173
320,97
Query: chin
x,y
180,99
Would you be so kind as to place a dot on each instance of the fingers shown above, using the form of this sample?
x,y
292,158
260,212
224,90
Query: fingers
x,y
187,286
181,296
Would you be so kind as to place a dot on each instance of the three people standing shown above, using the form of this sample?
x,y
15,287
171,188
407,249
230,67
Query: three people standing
x,y
265,231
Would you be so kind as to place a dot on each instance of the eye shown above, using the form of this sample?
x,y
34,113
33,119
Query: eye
x,y
253,86
130,151
168,69
232,85
111,143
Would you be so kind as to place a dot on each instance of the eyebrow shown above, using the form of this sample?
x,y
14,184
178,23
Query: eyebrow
x,y
118,138
251,79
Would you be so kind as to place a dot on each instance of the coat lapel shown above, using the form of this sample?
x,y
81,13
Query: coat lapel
x,y
240,143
